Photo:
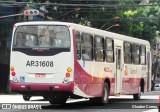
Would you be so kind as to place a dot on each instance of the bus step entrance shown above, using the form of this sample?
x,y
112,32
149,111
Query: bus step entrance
x,y
117,94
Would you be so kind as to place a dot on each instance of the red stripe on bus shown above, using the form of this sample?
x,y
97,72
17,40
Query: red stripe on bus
x,y
87,83
92,86
41,86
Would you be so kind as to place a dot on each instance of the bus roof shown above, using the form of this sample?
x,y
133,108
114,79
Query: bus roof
x,y
90,30
43,23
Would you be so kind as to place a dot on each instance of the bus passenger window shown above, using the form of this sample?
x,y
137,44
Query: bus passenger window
x,y
86,54
109,50
78,45
135,54
143,54
87,46
99,48
127,53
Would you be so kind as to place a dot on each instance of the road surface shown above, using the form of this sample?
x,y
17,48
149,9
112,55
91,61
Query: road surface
x,y
15,103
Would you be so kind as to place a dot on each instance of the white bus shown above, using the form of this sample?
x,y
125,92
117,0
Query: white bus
x,y
60,60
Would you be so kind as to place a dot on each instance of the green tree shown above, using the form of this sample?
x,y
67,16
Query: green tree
x,y
141,22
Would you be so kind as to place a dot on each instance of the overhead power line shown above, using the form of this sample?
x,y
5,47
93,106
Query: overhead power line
x,y
80,5
140,19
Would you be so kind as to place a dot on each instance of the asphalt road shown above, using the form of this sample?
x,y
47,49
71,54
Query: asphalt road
x,y
148,103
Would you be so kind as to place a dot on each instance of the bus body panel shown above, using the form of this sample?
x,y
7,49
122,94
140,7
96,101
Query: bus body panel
x,y
41,74
86,71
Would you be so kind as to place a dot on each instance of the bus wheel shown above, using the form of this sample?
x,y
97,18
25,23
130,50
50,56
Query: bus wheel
x,y
105,94
138,95
26,98
104,98
45,97
57,99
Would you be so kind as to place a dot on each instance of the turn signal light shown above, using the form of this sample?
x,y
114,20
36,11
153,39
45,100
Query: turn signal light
x,y
12,68
69,69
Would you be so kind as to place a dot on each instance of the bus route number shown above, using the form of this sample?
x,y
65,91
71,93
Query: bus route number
x,y
40,63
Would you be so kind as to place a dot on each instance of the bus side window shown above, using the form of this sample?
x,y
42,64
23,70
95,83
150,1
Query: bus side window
x,y
99,48
87,46
109,47
143,54
135,54
127,52
78,45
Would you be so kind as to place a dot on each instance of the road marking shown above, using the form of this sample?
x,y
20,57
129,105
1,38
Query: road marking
x,y
77,100
152,110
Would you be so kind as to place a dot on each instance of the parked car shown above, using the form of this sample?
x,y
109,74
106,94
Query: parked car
x,y
157,87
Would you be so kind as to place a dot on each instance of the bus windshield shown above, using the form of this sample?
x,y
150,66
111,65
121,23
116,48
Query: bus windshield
x,y
51,36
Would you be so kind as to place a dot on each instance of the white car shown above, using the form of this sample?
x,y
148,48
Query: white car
x,y
157,87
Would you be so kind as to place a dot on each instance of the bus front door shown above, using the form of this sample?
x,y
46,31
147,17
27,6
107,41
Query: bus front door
x,y
118,76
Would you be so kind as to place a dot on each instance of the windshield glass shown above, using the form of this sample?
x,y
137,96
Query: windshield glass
x,y
42,36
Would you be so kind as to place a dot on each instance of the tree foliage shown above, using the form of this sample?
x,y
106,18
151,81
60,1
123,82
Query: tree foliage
x,y
140,22
143,22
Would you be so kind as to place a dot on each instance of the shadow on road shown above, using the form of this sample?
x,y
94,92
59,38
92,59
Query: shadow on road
x,y
113,104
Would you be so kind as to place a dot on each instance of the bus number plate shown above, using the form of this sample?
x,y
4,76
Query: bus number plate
x,y
39,63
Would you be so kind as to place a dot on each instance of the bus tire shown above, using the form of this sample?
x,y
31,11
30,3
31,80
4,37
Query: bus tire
x,y
104,99
105,94
26,98
138,95
57,99
45,97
